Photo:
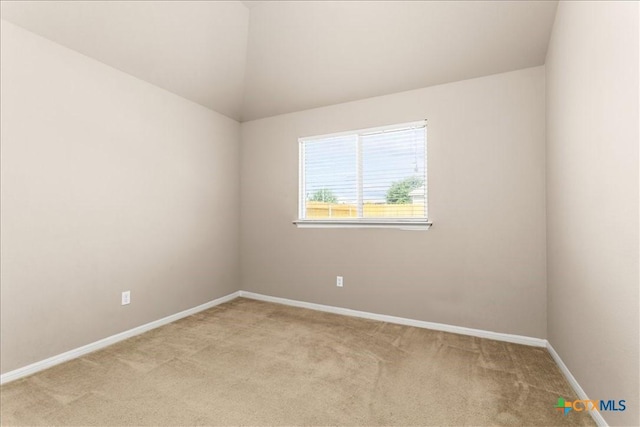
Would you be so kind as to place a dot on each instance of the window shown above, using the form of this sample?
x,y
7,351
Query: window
x,y
372,178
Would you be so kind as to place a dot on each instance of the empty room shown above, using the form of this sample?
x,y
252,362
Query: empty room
x,y
284,213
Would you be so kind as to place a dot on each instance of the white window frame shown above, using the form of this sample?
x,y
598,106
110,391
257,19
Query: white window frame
x,y
399,223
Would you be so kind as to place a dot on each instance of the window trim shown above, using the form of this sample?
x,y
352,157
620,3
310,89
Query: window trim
x,y
364,223
398,223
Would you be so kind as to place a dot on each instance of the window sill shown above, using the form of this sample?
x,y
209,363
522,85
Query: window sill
x,y
422,225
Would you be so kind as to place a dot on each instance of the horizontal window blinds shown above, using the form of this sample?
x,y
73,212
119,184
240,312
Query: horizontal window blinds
x,y
370,174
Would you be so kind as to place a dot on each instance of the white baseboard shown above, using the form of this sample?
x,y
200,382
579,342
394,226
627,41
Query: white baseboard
x,y
498,336
596,415
80,351
517,339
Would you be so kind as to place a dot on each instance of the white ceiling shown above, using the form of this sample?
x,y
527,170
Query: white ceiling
x,y
196,49
255,59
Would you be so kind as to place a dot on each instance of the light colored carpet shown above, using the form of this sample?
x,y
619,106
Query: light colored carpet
x,y
248,362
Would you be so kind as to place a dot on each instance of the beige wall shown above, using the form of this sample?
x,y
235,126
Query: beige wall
x,y
482,265
592,198
108,184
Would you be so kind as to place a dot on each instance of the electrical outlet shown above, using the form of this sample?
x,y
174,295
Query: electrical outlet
x,y
339,281
126,297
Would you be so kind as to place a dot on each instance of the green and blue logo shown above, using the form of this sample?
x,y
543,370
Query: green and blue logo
x,y
566,406
563,405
